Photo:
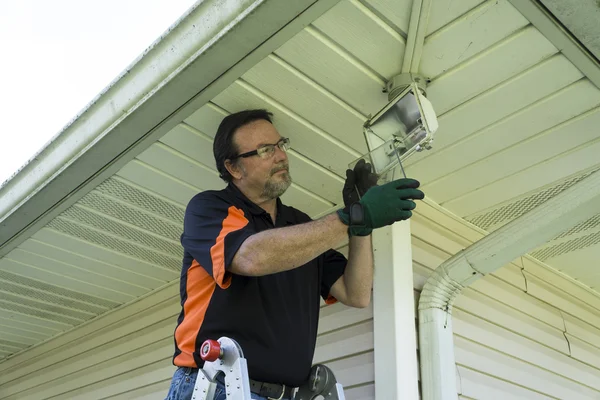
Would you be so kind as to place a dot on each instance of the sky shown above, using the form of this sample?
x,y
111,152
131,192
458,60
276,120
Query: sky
x,y
57,55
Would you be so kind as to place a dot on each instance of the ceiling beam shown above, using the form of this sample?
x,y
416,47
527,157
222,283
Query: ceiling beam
x,y
415,39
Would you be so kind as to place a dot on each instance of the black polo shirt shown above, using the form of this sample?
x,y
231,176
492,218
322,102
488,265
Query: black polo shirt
x,y
273,317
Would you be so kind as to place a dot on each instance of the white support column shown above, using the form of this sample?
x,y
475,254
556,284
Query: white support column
x,y
396,374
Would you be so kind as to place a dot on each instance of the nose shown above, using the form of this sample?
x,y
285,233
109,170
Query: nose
x,y
279,155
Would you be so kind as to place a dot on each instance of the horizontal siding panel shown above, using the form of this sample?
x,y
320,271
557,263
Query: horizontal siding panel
x,y
496,364
101,331
131,342
562,300
519,347
491,310
426,254
121,359
524,328
420,275
438,235
344,342
356,370
100,372
124,383
453,223
557,279
476,385
154,391
520,300
366,392
585,352
333,316
582,330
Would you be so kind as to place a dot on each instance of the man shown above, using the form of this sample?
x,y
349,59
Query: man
x,y
254,268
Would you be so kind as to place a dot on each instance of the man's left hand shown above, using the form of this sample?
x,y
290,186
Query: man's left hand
x,y
358,181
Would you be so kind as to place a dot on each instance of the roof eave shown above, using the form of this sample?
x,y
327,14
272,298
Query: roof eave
x,y
213,44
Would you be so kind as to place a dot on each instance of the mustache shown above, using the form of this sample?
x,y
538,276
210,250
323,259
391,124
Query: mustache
x,y
284,167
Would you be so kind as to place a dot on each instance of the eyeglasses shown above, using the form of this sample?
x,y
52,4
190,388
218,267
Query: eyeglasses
x,y
267,150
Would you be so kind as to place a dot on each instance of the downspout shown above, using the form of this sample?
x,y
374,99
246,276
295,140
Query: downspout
x,y
438,369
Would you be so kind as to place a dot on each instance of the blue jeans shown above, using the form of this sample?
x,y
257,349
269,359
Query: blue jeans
x,y
182,386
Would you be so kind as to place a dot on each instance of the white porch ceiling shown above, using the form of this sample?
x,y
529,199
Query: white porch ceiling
x,y
518,123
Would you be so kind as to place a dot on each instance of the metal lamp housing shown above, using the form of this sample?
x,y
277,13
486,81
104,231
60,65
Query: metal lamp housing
x,y
406,125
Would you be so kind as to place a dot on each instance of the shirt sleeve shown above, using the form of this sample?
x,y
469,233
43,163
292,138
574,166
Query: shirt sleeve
x,y
334,265
213,231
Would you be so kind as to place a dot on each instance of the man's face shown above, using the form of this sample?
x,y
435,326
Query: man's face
x,y
269,176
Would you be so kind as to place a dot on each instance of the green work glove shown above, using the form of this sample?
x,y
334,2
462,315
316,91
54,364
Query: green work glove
x,y
383,205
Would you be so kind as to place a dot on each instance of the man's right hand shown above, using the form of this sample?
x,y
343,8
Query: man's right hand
x,y
385,204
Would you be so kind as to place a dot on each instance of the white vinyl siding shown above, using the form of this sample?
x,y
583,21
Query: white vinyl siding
x,y
127,354
522,332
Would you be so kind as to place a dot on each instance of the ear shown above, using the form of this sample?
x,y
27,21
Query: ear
x,y
234,168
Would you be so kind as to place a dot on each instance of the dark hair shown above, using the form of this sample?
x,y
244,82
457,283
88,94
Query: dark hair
x,y
223,146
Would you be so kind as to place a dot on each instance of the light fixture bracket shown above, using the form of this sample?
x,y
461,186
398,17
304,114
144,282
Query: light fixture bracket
x,y
400,82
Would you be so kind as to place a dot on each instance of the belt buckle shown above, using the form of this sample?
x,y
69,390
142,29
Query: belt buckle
x,y
280,396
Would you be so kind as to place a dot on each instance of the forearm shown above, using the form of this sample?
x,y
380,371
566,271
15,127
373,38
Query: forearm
x,y
282,249
358,277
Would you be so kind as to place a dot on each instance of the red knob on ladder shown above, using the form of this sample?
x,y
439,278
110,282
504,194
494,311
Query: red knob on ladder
x,y
210,350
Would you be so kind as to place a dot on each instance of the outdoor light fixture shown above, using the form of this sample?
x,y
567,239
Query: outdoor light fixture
x,y
406,125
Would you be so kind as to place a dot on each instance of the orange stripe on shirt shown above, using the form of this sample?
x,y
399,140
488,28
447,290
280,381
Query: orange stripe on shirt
x,y
330,300
200,287
234,221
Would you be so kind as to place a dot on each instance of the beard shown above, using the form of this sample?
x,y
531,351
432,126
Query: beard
x,y
277,185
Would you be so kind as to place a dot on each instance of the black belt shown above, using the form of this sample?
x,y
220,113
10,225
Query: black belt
x,y
270,390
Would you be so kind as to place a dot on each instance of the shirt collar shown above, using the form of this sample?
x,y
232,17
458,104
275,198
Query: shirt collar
x,y
283,212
